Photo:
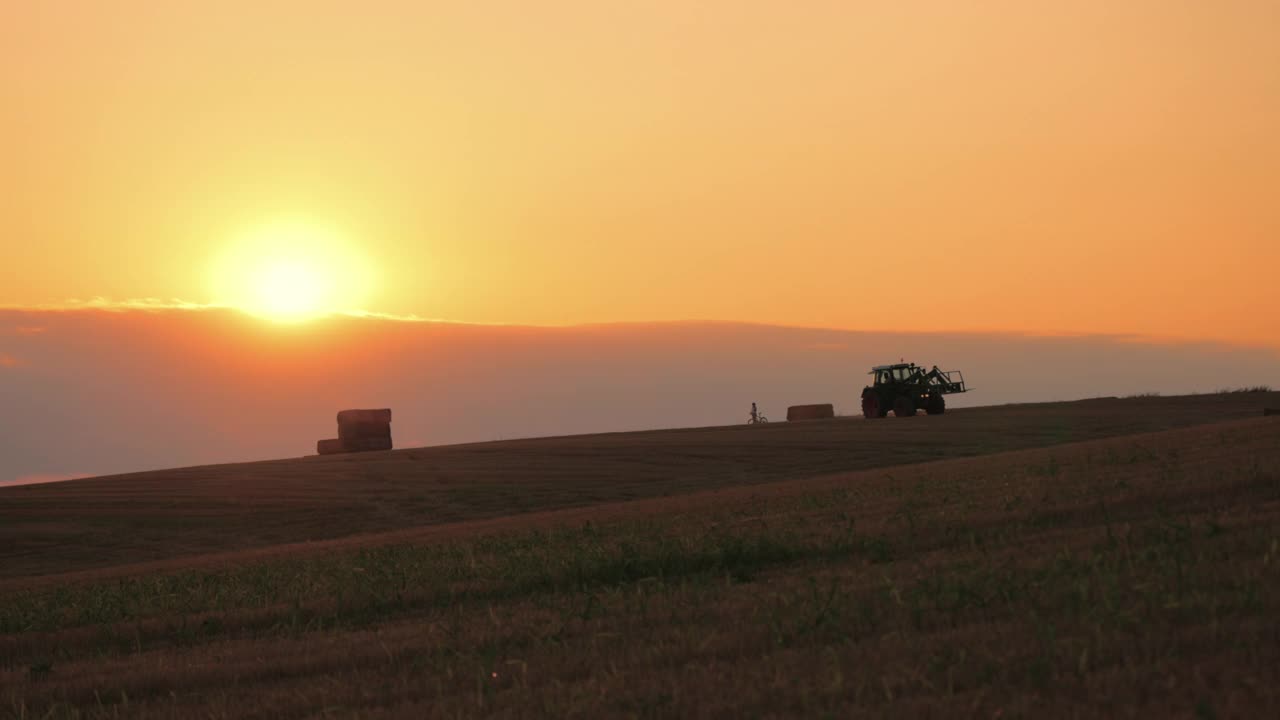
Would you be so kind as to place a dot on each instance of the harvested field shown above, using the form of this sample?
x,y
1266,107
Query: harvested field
x,y
104,522
1128,575
1136,574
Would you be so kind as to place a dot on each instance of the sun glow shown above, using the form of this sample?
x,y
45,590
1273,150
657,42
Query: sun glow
x,y
289,289
290,271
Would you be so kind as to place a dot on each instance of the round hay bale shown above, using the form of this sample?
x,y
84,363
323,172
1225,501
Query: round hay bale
x,y
821,411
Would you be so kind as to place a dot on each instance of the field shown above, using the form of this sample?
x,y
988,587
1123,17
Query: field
x,y
1108,557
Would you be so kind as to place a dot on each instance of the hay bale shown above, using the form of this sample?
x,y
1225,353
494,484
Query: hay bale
x,y
365,444
1270,411
362,430
382,415
330,446
821,411
349,431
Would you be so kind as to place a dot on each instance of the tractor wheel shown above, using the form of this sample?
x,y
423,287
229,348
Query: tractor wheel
x,y
904,407
937,405
871,406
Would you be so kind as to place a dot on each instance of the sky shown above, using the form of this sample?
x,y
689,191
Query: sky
x,y
1092,167
221,222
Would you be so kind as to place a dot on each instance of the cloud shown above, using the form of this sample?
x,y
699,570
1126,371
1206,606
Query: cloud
x,y
9,361
21,330
144,304
147,304
834,339
151,304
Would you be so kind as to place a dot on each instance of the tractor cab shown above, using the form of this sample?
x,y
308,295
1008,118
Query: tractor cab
x,y
893,374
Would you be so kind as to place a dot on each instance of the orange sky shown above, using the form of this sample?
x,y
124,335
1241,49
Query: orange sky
x,y
1093,166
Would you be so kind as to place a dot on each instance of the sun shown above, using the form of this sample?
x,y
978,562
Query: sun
x,y
291,271
292,289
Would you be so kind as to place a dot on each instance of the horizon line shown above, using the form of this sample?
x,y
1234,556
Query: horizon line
x,y
160,305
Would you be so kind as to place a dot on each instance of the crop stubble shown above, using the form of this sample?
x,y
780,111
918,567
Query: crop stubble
x,y
1133,574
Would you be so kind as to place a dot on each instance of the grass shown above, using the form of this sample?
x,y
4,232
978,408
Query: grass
x,y
1131,575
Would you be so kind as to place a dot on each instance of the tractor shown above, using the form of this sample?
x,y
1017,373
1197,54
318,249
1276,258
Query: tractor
x,y
905,388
